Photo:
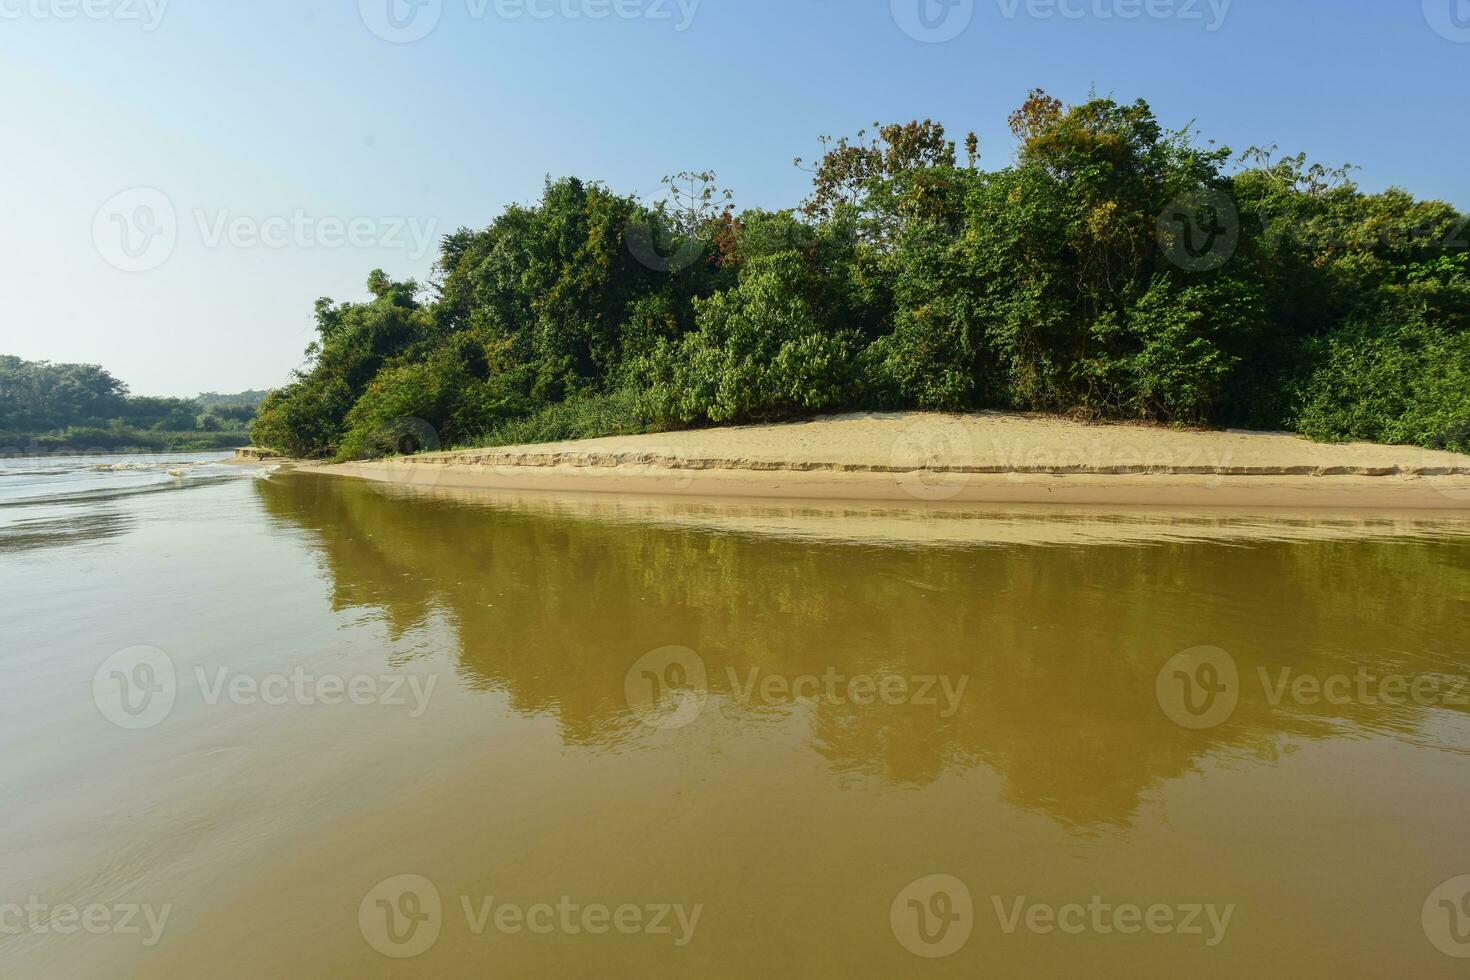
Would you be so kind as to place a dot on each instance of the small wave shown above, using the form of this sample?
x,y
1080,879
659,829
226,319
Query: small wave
x,y
171,467
76,481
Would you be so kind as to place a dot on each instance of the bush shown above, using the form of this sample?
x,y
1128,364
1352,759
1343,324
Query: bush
x,y
935,357
583,417
303,419
402,411
761,352
1170,362
1395,378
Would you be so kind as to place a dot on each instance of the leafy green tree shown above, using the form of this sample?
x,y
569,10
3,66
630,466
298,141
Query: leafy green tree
x,y
1114,269
762,351
39,396
355,341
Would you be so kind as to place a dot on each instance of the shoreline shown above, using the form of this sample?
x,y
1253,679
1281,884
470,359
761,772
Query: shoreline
x,y
921,459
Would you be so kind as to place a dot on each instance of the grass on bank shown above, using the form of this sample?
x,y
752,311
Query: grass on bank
x,y
583,417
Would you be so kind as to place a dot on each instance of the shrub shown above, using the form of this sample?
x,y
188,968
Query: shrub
x,y
302,419
1394,378
761,352
582,417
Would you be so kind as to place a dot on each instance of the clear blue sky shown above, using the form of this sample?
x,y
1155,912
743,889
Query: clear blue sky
x,y
294,110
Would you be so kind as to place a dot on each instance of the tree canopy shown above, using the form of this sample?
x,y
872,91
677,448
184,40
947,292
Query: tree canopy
x,y
1114,269
82,406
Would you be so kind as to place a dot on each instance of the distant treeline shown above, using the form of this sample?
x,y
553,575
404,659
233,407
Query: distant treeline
x,y
46,406
1113,270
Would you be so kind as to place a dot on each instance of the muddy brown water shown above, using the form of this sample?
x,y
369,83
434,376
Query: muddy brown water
x,y
307,726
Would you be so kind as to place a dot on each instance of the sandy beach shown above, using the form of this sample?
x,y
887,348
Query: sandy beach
x,y
981,458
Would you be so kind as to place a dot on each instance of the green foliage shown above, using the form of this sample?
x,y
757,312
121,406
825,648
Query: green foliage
x,y
118,439
1083,310
38,396
235,411
1176,363
423,405
383,419
303,418
582,417
1395,377
308,417
81,407
1086,277
762,350
550,291
935,357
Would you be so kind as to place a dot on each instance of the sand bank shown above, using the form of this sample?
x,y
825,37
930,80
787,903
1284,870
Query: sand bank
x,y
256,454
982,458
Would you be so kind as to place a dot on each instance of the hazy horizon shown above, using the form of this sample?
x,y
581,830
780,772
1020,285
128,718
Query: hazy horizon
x,y
272,182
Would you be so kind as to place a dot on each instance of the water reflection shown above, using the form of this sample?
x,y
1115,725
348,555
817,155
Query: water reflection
x,y
62,528
1060,646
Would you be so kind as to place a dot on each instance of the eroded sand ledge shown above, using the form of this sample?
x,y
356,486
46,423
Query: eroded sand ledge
x,y
985,458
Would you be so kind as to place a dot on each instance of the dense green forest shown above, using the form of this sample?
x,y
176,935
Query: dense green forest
x,y
1114,269
80,407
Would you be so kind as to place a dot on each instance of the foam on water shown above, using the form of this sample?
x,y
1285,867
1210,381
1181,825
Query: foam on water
x,y
36,479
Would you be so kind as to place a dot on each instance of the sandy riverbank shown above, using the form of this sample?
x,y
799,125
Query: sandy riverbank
x,y
983,458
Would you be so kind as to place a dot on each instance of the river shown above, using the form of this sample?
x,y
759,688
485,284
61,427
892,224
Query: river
x,y
269,723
